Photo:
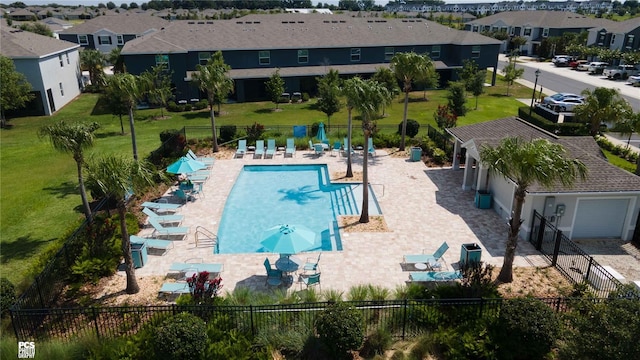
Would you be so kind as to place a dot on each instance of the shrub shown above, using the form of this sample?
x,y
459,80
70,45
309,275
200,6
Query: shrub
x,y
173,107
7,296
254,132
457,98
412,128
439,156
386,140
182,336
202,104
227,133
340,329
445,117
467,342
477,281
377,343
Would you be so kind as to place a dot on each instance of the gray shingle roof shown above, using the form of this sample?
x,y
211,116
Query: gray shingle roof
x,y
119,24
543,19
602,176
18,44
295,31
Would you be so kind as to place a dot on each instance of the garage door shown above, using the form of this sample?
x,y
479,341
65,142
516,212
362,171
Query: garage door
x,y
600,218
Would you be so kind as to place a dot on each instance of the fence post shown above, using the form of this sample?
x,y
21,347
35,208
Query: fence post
x,y
95,321
253,330
541,231
404,319
39,292
556,248
586,275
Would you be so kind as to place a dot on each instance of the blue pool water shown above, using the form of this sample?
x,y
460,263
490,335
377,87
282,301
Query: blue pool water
x,y
267,195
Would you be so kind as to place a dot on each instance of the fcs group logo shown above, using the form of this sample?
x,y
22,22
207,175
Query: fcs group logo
x,y
26,349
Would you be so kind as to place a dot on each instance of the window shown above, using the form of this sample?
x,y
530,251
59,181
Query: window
x,y
389,51
61,90
303,56
120,39
545,32
67,56
355,54
203,58
163,60
475,52
83,40
527,31
104,40
512,31
475,28
435,52
61,62
264,57
629,41
613,39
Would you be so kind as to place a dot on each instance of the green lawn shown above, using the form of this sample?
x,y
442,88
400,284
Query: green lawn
x,y
620,162
38,186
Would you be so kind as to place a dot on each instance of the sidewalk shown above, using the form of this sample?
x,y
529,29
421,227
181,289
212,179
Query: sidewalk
x,y
622,143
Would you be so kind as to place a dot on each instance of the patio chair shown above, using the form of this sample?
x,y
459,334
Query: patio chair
x,y
242,148
312,264
346,147
183,196
197,191
431,260
184,267
175,288
271,148
434,276
158,244
337,146
162,207
311,148
311,280
274,276
203,159
259,149
371,149
160,230
318,149
163,219
291,148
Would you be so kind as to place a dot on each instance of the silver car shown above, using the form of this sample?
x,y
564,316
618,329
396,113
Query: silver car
x,y
563,101
597,67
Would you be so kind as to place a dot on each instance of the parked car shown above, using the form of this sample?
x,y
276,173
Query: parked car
x,y
634,80
621,72
561,60
575,63
563,101
583,67
597,67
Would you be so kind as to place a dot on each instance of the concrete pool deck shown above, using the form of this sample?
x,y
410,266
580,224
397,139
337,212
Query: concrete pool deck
x,y
422,208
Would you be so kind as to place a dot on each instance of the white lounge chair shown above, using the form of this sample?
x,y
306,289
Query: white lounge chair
x,y
163,219
242,148
159,244
290,150
160,230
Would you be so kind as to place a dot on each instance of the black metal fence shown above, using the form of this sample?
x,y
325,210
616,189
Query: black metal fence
x,y
572,262
443,141
402,318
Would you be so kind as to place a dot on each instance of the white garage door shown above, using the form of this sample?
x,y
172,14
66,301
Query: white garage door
x,y
600,218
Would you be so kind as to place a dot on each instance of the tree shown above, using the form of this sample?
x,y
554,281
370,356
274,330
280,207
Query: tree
x,y
537,161
37,28
213,78
93,61
457,98
329,94
275,87
476,85
387,78
158,85
517,42
73,139
116,103
628,125
511,73
16,90
116,60
131,89
601,105
350,91
111,5
117,178
409,67
445,117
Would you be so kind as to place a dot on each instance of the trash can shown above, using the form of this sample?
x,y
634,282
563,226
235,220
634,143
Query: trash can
x,y
470,253
483,200
139,254
416,153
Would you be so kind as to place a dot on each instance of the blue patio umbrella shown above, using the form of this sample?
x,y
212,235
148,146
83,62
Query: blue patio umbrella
x,y
288,239
185,165
321,134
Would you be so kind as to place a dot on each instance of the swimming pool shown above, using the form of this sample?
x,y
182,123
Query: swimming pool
x,y
267,195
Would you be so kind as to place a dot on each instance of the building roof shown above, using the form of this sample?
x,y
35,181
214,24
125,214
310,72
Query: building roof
x,y
18,44
119,24
601,177
298,31
623,27
543,19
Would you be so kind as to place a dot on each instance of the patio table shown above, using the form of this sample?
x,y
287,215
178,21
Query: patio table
x,y
288,264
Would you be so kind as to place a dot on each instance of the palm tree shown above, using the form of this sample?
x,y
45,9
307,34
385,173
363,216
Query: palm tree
x,y
93,61
409,67
117,60
538,161
131,88
350,91
213,79
601,105
118,177
73,139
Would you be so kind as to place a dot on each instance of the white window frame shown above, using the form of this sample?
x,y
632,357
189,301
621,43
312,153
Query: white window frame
x,y
303,56
203,58
629,43
120,39
545,32
475,28
475,51
162,59
264,57
389,52
435,51
512,30
83,39
102,38
527,30
355,54
61,89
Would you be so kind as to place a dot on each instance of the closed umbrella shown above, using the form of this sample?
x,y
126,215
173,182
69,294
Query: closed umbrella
x,y
185,165
322,136
288,239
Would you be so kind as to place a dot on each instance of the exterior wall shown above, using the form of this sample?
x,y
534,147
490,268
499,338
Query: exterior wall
x,y
502,191
105,48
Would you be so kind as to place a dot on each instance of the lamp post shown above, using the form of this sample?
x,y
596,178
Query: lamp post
x,y
535,86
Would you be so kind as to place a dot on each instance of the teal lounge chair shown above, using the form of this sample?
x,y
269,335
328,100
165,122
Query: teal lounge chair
x,y
311,148
160,230
346,147
431,260
175,288
158,244
259,149
318,149
371,149
163,219
336,148
271,148
274,276
213,268
163,207
205,160
434,276
290,150
183,196
242,148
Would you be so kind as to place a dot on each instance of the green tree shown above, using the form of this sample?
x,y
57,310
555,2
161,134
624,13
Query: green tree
x,y
73,139
16,90
116,60
118,177
116,103
628,125
213,78
387,78
511,73
601,105
93,61
37,28
517,42
457,98
131,89
275,87
158,85
467,73
409,67
329,94
476,86
350,91
526,163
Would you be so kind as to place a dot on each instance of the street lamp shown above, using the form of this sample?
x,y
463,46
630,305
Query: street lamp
x,y
535,86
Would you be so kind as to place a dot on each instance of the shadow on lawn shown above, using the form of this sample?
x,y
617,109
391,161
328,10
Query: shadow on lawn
x,y
63,190
22,248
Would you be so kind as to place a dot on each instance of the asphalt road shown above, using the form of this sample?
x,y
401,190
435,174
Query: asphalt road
x,y
562,79
635,138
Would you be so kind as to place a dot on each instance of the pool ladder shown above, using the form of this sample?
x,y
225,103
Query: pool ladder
x,y
206,238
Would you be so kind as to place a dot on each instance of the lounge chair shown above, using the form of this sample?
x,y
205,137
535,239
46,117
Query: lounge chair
x,y
434,276
311,280
290,150
336,147
259,149
371,149
162,207
274,276
311,148
175,288
160,230
431,260
271,148
242,148
318,149
213,268
198,178
163,219
205,160
158,244
312,264
346,147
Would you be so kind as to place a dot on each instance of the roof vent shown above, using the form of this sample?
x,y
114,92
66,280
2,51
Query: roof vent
x,y
238,22
256,22
334,21
209,22
191,22
342,21
300,22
